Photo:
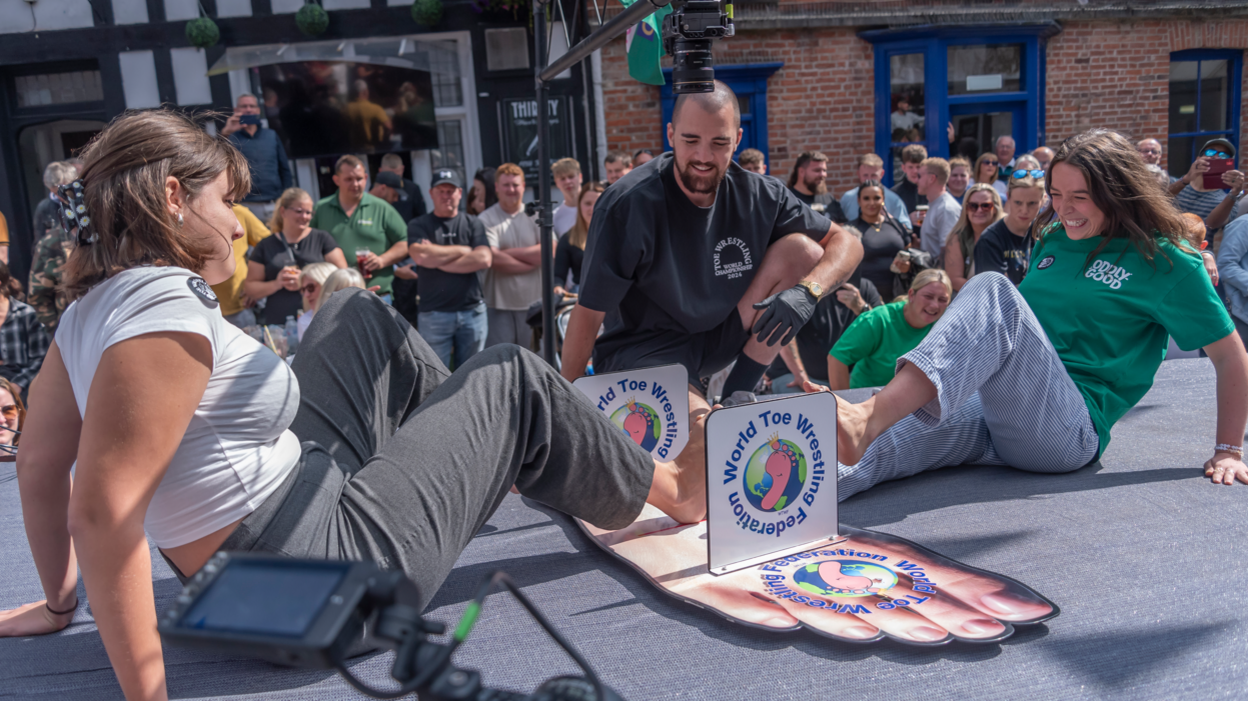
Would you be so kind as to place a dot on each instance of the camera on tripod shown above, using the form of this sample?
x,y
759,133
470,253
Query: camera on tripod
x,y
314,613
687,34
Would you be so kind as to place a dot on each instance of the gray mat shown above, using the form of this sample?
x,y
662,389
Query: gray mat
x,y
1143,555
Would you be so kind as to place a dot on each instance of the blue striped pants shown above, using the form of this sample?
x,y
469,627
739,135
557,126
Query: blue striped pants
x,y
1002,397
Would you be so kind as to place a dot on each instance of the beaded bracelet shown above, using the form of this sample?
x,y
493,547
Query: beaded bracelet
x,y
1228,448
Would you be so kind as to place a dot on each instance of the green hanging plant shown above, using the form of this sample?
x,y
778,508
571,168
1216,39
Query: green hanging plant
x,y
427,12
202,32
312,19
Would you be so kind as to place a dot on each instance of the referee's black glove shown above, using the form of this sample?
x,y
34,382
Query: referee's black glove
x,y
786,313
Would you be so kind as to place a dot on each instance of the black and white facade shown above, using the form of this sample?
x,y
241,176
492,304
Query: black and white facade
x,y
69,66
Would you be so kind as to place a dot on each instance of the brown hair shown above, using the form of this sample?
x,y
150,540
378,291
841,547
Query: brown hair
x,y
914,153
565,166
9,287
938,167
870,159
959,161
124,172
508,169
750,156
802,159
579,232
347,161
1195,231
289,197
1121,187
979,162
620,157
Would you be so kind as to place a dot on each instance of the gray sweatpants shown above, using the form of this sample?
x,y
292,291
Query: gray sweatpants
x,y
404,462
1003,396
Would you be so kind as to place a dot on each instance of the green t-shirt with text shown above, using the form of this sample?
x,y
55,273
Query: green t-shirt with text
x,y
374,225
1108,318
873,343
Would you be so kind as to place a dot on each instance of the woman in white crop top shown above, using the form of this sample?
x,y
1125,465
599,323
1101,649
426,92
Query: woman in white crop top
x,y
178,425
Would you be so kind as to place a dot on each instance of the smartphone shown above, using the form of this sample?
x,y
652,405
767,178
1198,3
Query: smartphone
x,y
1213,176
249,119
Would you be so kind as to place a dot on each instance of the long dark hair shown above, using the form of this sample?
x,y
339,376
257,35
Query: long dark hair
x,y
1134,205
123,174
486,176
9,287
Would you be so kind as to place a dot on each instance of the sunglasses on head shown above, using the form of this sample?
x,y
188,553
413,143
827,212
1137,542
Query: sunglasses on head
x,y
976,206
1216,153
1022,173
9,410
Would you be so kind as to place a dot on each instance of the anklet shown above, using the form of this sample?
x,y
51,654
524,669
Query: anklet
x,y
62,613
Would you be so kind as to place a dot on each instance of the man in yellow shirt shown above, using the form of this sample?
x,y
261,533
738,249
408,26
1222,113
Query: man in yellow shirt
x,y
236,306
369,122
4,239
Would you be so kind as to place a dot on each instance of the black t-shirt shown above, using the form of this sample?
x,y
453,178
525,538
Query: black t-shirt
x,y
826,204
657,263
998,249
879,247
274,254
909,193
824,329
413,206
568,257
441,291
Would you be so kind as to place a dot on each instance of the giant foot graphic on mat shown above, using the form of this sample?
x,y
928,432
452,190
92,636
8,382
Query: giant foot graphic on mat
x,y
861,587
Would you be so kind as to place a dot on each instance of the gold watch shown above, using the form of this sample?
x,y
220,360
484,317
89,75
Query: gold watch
x,y
814,288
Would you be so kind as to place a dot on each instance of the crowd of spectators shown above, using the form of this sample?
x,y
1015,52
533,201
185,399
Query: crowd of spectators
x,y
466,272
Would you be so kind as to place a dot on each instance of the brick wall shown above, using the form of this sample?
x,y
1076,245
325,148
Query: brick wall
x,y
821,98
1106,73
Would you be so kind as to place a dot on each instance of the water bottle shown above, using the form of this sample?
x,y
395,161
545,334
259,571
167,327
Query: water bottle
x,y
292,334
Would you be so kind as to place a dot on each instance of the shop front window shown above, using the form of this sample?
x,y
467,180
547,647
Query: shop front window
x,y
1204,103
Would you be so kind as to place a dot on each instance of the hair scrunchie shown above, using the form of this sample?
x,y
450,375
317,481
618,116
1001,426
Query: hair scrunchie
x,y
74,213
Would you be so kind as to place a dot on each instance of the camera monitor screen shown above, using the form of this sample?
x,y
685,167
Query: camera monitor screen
x,y
266,598
329,108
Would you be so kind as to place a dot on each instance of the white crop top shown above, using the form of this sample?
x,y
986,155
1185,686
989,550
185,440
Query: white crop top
x,y
238,447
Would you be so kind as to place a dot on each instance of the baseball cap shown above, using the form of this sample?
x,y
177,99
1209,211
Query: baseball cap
x,y
1220,142
392,181
445,175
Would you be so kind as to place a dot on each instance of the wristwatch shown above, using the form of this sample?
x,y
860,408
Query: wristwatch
x,y
814,288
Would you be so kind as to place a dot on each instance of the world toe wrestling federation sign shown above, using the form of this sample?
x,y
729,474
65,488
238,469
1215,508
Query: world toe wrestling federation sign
x,y
650,405
771,478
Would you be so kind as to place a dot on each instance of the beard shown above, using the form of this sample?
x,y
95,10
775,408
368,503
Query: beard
x,y
697,182
816,185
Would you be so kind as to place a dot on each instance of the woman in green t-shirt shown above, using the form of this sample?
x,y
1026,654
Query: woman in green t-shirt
x,y
874,342
1035,377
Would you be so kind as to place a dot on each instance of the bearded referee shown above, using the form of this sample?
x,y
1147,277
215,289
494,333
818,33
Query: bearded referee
x,y
692,259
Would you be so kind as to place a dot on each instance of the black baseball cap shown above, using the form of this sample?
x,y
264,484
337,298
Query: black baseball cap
x,y
445,175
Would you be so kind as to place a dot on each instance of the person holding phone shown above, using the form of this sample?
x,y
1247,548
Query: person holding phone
x,y
266,157
1201,191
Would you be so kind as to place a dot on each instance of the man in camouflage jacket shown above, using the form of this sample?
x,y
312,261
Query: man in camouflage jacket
x,y
47,271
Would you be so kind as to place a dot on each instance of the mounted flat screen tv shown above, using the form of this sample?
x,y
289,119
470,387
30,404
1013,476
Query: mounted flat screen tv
x,y
329,108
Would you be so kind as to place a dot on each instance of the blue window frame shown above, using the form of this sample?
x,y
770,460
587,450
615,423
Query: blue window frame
x,y
749,82
1204,102
1010,101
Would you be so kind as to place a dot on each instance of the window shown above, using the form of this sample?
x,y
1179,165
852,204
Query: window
x,y
749,82
1204,103
58,88
987,82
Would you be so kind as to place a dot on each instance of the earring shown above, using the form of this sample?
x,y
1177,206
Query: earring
x,y
179,219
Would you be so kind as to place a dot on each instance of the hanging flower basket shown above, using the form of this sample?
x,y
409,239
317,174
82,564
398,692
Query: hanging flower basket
x,y
312,19
427,12
202,32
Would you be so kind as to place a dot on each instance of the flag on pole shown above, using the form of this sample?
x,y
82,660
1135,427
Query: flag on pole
x,y
644,45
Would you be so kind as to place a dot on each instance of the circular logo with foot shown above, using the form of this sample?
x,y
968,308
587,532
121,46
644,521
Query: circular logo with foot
x,y
844,578
775,474
640,422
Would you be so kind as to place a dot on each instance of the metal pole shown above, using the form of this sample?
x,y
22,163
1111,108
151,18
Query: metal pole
x,y
612,29
544,220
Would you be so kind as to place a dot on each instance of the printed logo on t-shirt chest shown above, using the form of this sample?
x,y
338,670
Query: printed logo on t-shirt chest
x,y
732,258
1108,273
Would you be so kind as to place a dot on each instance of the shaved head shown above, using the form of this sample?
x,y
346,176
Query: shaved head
x,y
712,102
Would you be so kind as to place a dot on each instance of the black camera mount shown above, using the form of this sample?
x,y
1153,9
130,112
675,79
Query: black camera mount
x,y
313,613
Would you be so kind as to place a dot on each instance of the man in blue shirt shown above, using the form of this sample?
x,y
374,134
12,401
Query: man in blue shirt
x,y
270,169
871,167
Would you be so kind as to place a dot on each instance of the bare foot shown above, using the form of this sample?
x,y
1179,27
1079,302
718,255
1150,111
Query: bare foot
x,y
852,437
679,487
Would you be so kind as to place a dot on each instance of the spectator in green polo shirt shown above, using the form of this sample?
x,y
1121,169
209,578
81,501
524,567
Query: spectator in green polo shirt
x,y
359,222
